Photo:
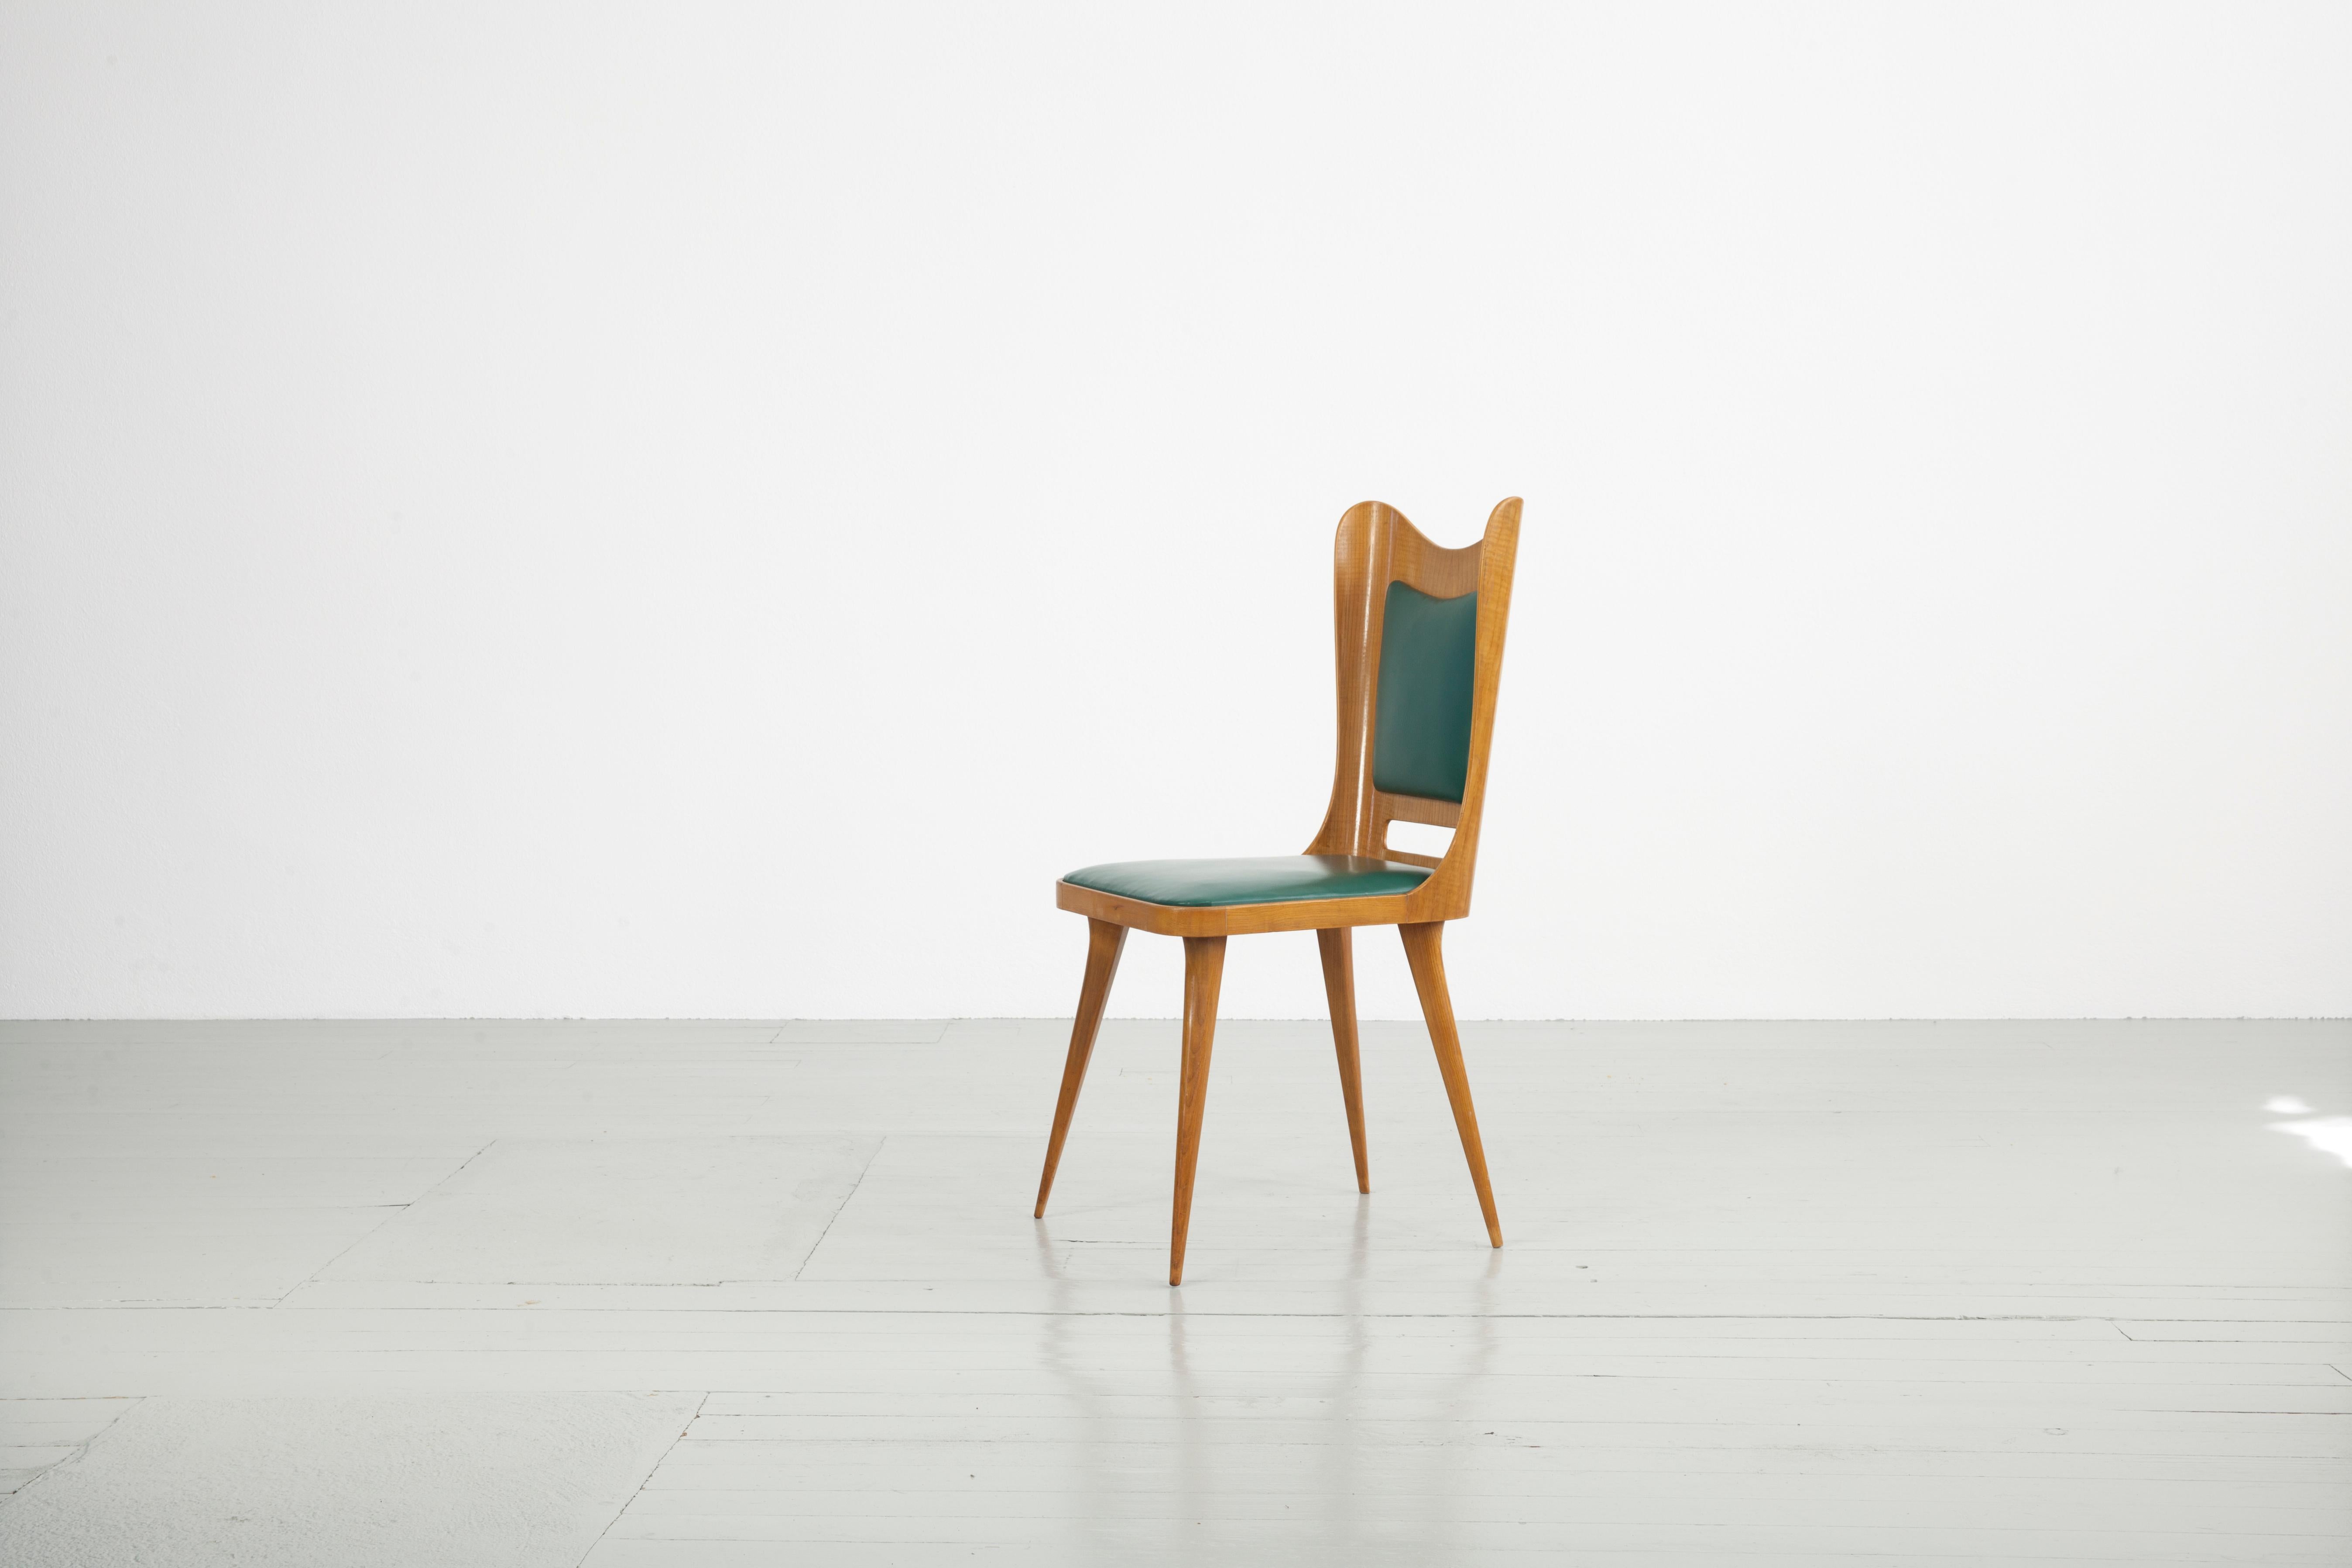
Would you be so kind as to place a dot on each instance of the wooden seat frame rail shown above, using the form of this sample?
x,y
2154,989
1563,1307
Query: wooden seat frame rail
x,y
1376,546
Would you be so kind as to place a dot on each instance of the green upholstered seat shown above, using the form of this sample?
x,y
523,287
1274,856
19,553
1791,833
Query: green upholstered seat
x,y
1259,880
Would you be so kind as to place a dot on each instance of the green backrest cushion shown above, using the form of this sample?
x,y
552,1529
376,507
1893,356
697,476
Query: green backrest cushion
x,y
1428,655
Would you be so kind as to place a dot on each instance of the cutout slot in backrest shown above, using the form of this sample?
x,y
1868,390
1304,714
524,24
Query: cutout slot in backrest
x,y
1420,838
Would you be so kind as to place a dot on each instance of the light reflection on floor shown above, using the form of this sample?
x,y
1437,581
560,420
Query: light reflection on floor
x,y
2327,1134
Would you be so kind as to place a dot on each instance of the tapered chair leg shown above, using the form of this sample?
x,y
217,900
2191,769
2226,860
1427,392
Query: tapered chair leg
x,y
1104,941
1420,950
1339,985
1204,967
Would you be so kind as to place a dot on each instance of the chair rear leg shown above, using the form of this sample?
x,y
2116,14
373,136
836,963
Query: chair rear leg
x,y
1104,941
1420,950
1339,985
1204,967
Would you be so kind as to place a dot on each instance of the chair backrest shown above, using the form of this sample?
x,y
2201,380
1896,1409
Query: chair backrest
x,y
1421,655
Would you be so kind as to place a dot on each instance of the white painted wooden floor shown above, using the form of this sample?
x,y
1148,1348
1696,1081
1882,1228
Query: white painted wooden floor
x,y
632,1295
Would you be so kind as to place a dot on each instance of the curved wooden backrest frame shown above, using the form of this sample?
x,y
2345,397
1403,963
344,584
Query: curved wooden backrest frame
x,y
1377,546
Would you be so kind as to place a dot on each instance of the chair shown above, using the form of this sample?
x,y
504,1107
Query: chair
x,y
1420,653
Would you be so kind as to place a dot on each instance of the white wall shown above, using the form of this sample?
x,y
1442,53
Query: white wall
x,y
521,509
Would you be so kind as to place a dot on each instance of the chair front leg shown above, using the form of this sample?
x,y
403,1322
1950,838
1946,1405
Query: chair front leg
x,y
1104,941
1420,950
1205,968
1339,985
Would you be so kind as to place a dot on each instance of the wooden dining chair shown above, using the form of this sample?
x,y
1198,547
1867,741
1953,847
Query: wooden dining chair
x,y
1420,653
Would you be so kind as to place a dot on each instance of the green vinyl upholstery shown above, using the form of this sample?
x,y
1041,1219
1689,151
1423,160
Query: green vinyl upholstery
x,y
1428,655
1260,880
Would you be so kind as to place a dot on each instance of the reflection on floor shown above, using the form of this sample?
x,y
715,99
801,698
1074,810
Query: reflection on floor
x,y
639,1294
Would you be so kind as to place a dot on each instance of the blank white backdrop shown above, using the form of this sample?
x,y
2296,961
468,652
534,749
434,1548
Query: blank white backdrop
x,y
534,508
